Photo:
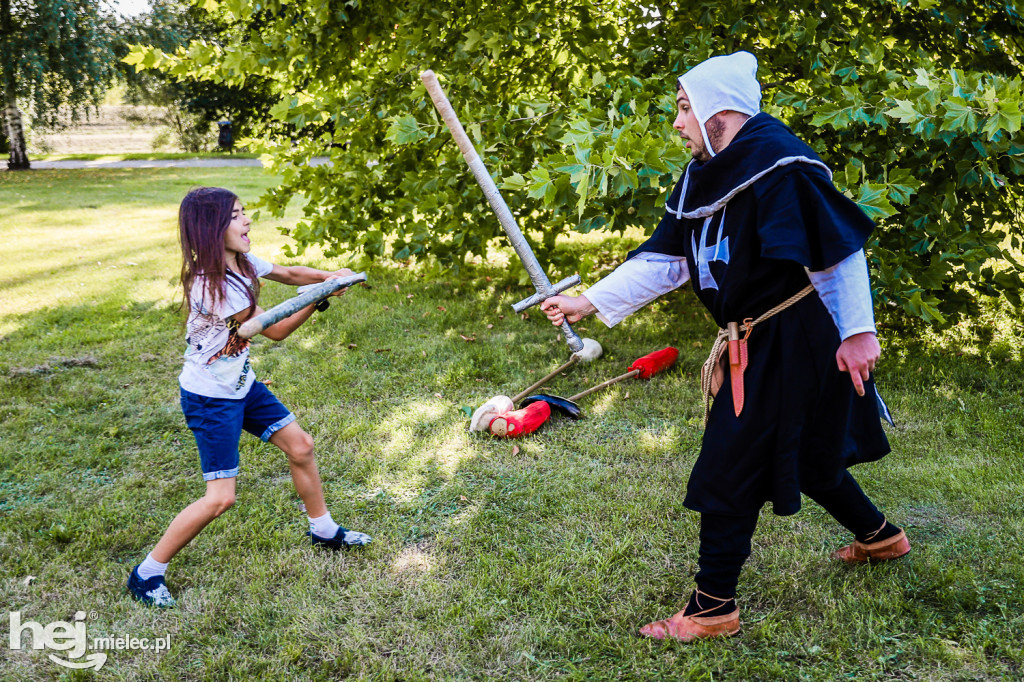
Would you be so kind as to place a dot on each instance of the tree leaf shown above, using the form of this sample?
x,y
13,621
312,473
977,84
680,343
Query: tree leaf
x,y
1007,118
873,200
904,112
514,182
405,130
959,115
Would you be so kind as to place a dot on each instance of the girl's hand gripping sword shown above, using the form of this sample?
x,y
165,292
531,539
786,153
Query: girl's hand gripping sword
x,y
508,223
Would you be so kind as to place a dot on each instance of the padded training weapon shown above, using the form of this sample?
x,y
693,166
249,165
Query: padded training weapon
x,y
318,292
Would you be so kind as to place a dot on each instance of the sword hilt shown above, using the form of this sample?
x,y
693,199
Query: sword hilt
x,y
571,337
567,283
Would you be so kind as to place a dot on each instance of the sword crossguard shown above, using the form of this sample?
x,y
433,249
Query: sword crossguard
x,y
546,292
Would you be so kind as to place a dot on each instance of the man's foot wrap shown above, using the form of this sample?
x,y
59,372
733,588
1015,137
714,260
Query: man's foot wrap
x,y
704,617
887,543
703,604
886,531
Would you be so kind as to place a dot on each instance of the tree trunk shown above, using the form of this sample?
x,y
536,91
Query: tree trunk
x,y
11,114
18,158
5,146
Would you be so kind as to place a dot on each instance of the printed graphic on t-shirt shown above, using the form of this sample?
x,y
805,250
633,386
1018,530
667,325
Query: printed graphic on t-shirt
x,y
217,359
215,346
231,363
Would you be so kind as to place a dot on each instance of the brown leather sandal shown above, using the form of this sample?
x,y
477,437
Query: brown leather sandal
x,y
884,550
695,626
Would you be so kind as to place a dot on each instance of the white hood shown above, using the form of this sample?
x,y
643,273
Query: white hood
x,y
726,83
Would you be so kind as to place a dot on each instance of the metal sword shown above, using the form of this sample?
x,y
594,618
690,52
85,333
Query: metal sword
x,y
541,283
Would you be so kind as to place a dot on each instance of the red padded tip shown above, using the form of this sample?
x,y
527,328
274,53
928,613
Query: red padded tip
x,y
521,422
652,363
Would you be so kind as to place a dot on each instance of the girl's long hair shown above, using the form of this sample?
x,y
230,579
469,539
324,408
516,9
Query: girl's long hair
x,y
203,220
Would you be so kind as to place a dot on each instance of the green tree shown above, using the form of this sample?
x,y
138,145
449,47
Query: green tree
x,y
916,104
189,106
55,55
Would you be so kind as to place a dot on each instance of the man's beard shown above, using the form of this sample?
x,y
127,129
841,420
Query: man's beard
x,y
716,130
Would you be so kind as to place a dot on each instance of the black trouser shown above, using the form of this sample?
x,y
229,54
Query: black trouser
x,y
725,540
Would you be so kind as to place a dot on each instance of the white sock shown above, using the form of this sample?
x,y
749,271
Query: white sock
x,y
151,567
324,526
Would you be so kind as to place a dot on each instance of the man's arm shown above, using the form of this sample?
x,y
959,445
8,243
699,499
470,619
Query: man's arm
x,y
630,287
846,292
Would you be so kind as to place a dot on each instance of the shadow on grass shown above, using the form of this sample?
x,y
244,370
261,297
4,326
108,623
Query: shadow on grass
x,y
56,278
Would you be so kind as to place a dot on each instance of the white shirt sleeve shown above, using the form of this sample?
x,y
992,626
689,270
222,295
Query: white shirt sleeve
x,y
635,283
262,267
846,292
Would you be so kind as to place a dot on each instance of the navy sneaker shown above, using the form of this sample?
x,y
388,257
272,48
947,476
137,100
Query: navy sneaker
x,y
343,539
152,592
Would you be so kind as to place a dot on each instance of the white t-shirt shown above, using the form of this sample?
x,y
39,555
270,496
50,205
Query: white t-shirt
x,y
217,359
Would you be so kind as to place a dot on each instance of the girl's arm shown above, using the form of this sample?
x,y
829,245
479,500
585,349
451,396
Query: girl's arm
x,y
297,275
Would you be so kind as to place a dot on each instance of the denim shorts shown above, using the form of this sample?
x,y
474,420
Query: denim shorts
x,y
217,424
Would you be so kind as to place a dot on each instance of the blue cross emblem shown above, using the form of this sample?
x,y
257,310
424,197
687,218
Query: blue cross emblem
x,y
705,255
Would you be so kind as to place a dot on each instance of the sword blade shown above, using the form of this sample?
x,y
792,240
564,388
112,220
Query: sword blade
x,y
486,182
540,280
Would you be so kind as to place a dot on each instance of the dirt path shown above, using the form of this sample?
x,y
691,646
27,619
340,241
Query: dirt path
x,y
156,163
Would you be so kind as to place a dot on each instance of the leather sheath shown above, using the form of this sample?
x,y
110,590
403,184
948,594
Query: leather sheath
x,y
737,365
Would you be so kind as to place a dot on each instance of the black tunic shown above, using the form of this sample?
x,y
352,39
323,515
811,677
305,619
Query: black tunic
x,y
753,217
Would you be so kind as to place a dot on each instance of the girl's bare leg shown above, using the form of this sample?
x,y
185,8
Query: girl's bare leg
x,y
220,495
298,446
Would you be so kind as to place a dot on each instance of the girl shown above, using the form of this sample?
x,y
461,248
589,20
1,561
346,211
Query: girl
x,y
219,395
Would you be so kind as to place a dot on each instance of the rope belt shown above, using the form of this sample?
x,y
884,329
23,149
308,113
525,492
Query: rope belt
x,y
723,338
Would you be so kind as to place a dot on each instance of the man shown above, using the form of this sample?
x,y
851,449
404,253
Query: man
x,y
756,224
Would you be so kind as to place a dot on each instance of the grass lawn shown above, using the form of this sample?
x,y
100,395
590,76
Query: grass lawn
x,y
527,559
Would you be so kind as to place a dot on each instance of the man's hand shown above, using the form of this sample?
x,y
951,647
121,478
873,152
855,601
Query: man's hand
x,y
573,308
858,355
337,274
